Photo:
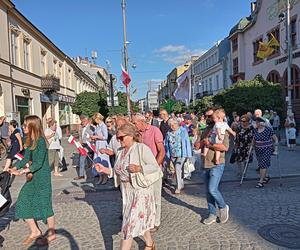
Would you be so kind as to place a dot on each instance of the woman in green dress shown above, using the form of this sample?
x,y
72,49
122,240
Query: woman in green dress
x,y
35,198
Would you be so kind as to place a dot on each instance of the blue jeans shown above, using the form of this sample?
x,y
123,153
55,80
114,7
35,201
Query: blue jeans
x,y
212,178
82,161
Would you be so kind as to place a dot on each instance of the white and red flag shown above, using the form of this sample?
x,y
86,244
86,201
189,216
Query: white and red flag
x,y
125,77
19,156
92,146
72,139
82,151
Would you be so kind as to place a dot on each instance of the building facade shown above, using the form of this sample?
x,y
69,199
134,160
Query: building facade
x,y
36,77
152,101
264,21
211,72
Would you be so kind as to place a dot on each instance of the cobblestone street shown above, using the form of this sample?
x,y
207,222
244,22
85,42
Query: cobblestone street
x,y
87,216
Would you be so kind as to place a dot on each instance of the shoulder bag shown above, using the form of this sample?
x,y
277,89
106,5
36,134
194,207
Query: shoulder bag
x,y
139,180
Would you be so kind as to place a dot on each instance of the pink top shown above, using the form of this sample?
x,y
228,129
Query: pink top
x,y
151,137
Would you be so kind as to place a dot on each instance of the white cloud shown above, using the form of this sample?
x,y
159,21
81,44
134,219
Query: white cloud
x,y
177,54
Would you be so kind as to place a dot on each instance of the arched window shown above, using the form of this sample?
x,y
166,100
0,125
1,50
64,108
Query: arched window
x,y
295,81
273,77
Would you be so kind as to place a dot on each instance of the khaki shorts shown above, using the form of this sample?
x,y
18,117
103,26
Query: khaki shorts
x,y
53,157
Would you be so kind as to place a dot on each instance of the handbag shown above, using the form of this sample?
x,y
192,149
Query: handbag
x,y
139,180
188,167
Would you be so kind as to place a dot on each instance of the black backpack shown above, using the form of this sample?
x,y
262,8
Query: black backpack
x,y
5,183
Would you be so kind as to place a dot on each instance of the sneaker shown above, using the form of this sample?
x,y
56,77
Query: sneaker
x,y
210,220
224,214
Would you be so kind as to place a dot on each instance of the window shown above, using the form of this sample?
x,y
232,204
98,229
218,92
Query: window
x,y
273,77
276,34
14,48
22,106
255,50
210,84
43,62
217,81
64,113
69,77
234,44
26,51
55,68
235,66
293,33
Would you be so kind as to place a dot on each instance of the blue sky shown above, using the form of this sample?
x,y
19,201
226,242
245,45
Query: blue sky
x,y
162,33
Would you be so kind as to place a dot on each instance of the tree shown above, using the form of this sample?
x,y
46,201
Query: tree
x,y
203,104
249,95
89,103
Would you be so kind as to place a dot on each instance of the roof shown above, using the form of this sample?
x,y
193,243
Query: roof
x,y
241,25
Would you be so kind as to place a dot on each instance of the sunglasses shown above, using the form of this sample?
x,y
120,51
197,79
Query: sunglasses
x,y
121,137
108,121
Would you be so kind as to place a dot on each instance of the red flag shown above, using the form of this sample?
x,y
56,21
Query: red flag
x,y
71,139
125,77
82,151
91,146
19,156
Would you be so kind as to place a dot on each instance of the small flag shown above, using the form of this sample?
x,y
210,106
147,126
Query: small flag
x,y
71,139
264,50
82,151
125,77
19,156
91,146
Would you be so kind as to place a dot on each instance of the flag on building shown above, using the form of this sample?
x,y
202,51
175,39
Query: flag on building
x,y
91,146
19,156
267,49
125,77
183,91
71,139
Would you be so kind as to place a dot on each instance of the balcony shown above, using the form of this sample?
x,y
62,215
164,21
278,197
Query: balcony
x,y
50,83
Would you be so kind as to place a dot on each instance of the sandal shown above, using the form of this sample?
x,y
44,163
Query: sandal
x,y
259,185
44,241
150,247
266,180
30,240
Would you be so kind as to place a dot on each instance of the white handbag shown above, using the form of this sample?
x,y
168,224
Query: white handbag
x,y
188,167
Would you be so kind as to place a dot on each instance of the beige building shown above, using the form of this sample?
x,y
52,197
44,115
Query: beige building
x,y
36,77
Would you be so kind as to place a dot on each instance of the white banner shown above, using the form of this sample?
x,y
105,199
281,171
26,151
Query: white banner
x,y
183,91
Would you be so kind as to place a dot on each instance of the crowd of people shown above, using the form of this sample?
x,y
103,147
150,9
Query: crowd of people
x,y
141,154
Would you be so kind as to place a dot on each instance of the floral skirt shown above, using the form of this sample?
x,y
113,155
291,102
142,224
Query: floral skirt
x,y
138,210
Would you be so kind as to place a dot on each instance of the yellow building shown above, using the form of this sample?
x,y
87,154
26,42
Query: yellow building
x,y
36,77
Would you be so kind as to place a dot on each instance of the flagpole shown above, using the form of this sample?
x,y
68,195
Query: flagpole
x,y
125,55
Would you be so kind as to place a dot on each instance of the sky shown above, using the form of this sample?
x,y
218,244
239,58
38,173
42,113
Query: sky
x,y
162,34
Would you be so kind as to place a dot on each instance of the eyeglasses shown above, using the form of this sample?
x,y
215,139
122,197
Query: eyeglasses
x,y
121,137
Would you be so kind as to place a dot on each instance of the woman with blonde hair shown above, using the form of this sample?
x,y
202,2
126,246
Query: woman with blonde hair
x,y
135,160
100,137
34,202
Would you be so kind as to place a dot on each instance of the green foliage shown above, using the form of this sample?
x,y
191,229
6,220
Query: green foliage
x,y
89,103
203,104
249,95
173,106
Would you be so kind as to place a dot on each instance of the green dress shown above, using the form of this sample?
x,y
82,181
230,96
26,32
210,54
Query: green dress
x,y
35,197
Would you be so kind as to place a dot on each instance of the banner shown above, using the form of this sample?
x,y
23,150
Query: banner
x,y
183,91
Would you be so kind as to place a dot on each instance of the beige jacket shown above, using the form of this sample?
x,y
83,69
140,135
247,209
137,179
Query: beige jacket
x,y
140,154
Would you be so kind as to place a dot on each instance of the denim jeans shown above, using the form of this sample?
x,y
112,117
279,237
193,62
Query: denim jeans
x,y
178,164
212,178
82,161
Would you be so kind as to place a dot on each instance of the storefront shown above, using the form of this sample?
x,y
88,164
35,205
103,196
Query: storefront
x,y
23,107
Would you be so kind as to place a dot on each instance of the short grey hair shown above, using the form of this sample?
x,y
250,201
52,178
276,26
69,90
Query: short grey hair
x,y
173,120
139,117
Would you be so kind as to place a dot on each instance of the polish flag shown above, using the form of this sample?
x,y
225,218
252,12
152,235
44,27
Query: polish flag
x,y
19,156
82,151
125,77
91,146
71,139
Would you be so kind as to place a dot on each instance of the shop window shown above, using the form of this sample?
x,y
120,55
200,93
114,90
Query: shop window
x,y
64,114
22,106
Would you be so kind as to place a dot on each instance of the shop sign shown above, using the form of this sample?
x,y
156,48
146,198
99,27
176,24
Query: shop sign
x,y
48,98
283,59
67,99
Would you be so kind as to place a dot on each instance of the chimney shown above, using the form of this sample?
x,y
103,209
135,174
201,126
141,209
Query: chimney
x,y
253,6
